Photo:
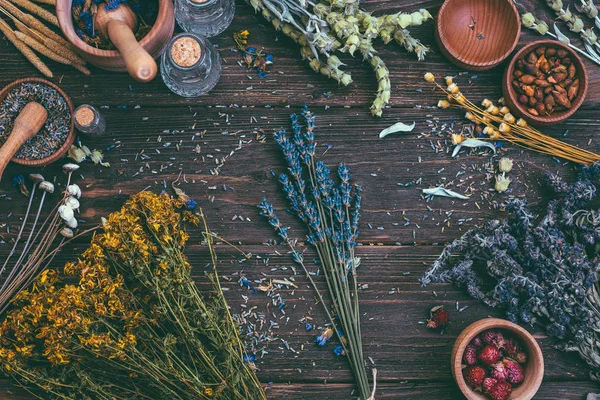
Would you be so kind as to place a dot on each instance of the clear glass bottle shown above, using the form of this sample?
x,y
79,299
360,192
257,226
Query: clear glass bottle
x,y
204,17
88,120
190,65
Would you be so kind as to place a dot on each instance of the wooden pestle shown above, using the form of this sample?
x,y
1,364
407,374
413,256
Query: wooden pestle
x,y
118,26
27,124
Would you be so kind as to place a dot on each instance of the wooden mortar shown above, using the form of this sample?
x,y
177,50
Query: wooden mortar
x,y
70,137
111,60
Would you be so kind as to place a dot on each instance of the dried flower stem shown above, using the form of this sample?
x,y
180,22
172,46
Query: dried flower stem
x,y
24,49
521,134
40,48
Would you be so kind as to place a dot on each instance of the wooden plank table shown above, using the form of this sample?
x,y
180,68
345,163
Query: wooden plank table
x,y
161,136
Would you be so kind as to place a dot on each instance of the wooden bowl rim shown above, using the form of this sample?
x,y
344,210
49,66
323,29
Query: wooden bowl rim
x,y
62,150
481,325
66,26
510,91
479,64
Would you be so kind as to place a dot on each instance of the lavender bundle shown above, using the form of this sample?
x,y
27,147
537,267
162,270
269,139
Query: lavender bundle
x,y
542,269
331,214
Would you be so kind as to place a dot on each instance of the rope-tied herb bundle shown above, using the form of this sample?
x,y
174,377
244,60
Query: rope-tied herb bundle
x,y
542,268
134,325
330,26
331,214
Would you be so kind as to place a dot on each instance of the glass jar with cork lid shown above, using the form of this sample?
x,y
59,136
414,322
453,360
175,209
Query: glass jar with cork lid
x,y
88,120
190,65
204,17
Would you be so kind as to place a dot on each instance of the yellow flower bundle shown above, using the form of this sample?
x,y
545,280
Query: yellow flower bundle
x,y
133,324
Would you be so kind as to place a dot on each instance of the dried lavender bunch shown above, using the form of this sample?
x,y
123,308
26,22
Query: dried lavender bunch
x,y
544,269
331,214
330,26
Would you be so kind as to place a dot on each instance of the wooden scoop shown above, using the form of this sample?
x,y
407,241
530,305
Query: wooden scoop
x,y
118,26
29,121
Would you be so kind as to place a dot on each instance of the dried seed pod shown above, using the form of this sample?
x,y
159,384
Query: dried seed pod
x,y
557,78
533,111
531,57
571,71
518,73
561,99
520,64
561,53
542,83
550,52
532,101
540,51
573,92
545,67
566,61
548,90
528,90
540,108
560,89
561,69
517,86
538,94
566,83
523,99
527,79
549,102
530,69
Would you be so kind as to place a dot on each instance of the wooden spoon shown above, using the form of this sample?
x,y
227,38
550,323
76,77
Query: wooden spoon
x,y
29,121
118,26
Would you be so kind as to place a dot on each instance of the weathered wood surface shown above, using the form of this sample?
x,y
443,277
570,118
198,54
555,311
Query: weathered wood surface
x,y
412,362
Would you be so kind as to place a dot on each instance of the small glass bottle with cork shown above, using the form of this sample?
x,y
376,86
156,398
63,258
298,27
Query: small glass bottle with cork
x,y
204,17
88,120
190,65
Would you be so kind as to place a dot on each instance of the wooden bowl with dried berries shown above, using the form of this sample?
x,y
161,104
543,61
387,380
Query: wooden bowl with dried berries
x,y
498,360
545,83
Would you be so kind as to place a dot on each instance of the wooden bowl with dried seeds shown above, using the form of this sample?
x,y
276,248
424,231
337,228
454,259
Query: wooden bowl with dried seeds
x,y
545,83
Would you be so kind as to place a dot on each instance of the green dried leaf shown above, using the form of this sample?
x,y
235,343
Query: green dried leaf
x,y
397,127
440,191
473,143
561,37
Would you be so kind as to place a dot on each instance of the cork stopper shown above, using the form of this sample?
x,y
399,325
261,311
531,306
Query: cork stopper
x,y
84,116
186,51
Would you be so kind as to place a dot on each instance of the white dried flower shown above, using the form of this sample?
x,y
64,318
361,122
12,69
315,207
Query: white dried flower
x,y
528,20
47,187
429,77
103,221
66,213
457,138
72,203
36,178
443,104
502,183
74,190
453,88
70,167
486,103
66,232
449,80
72,223
505,164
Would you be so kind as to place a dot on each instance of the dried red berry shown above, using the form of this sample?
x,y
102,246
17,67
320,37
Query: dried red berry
x,y
513,350
470,355
474,375
521,357
514,372
488,384
489,355
477,342
498,371
438,318
500,391
494,338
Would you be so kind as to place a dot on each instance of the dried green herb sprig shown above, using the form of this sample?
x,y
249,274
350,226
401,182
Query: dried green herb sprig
x,y
324,28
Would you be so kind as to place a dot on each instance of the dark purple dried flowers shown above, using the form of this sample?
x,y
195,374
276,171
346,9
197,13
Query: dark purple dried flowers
x,y
331,213
545,268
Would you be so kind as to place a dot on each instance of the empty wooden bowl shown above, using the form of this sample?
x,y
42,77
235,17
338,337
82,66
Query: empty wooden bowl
x,y
70,137
477,34
533,368
153,43
511,95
